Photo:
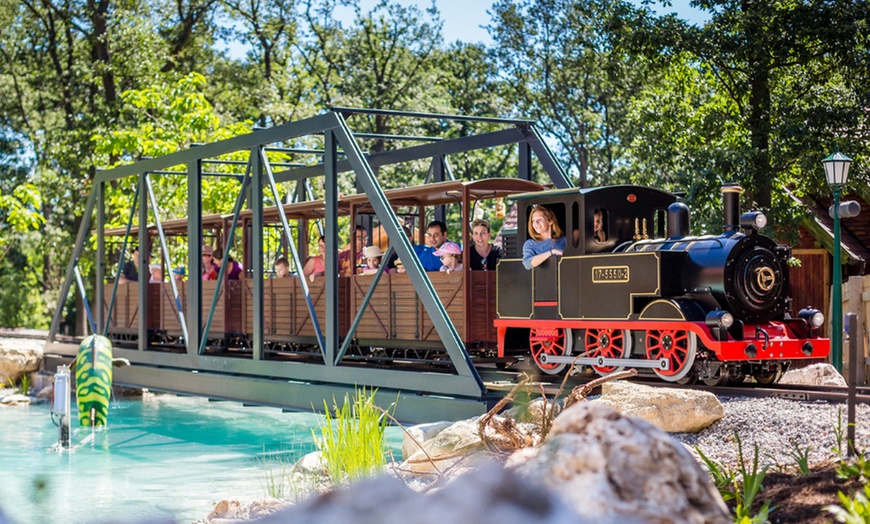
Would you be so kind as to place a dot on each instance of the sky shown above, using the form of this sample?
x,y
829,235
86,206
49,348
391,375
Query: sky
x,y
465,19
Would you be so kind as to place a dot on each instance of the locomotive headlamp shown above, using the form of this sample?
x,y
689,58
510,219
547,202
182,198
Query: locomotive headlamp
x,y
813,316
719,319
753,220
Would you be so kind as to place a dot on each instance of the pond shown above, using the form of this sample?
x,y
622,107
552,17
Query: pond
x,y
161,457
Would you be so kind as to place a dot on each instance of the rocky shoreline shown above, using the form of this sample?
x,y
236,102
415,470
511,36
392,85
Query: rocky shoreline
x,y
627,456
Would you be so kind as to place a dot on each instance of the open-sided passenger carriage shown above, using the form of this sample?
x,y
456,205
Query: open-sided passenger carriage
x,y
393,328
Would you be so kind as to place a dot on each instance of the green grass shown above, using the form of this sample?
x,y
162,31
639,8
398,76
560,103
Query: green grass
x,y
801,457
742,486
351,438
752,478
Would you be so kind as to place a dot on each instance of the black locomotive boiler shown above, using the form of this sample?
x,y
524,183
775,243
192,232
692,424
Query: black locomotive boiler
x,y
650,295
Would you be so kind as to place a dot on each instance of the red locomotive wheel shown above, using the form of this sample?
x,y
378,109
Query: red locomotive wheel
x,y
678,347
607,343
550,341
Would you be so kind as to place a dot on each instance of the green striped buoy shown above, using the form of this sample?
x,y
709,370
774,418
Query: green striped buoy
x,y
94,380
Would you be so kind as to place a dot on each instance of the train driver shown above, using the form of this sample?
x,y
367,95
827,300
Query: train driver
x,y
545,238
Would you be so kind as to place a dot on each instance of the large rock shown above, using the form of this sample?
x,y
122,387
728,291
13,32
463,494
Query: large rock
x,y
416,436
608,466
814,375
232,511
449,449
673,410
17,357
491,495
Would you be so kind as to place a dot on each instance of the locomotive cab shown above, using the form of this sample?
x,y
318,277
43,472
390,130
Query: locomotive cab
x,y
553,290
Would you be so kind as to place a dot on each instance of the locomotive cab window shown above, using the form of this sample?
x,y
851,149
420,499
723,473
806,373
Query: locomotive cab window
x,y
599,225
659,223
558,211
575,224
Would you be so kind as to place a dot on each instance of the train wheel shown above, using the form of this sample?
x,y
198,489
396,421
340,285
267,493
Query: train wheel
x,y
607,343
719,379
550,341
769,377
677,346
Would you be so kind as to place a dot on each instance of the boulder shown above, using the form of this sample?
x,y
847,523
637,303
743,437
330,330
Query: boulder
x,y
491,495
448,449
671,409
814,375
17,357
421,433
608,466
16,399
311,464
231,510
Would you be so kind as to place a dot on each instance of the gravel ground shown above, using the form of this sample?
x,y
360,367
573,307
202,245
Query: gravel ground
x,y
777,426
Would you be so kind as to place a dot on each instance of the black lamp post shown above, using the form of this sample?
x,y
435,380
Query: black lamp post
x,y
837,173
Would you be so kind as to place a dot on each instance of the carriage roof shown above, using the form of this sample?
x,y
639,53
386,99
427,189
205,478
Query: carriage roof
x,y
424,195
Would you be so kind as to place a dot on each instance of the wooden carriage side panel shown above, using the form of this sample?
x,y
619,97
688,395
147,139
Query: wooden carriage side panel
x,y
303,326
234,306
451,291
127,305
282,307
107,297
247,305
407,322
155,318
482,307
170,319
218,322
377,319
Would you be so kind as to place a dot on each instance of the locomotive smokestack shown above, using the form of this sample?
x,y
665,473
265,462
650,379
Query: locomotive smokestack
x,y
731,203
678,220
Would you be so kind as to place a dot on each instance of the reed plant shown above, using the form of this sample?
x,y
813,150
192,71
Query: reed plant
x,y
801,456
751,484
351,437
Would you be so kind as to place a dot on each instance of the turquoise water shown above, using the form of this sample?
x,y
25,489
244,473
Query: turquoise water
x,y
162,457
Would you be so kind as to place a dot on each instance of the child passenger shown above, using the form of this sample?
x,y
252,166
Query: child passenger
x,y
373,256
451,256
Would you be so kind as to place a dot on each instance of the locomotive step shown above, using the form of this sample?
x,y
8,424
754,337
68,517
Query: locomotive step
x,y
662,363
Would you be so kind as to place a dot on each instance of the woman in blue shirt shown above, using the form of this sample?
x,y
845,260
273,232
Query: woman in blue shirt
x,y
545,238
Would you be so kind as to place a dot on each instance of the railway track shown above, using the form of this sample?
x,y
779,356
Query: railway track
x,y
503,381
500,382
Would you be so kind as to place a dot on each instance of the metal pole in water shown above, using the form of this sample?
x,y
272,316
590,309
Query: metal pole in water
x,y
61,403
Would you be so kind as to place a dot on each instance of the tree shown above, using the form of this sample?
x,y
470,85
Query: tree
x,y
786,66
567,67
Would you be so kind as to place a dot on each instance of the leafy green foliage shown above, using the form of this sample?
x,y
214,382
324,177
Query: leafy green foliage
x,y
855,510
351,438
723,477
741,485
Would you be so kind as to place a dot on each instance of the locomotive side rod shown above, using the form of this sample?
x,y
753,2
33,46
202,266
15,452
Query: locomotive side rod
x,y
662,363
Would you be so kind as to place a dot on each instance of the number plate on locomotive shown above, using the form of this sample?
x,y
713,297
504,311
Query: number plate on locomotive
x,y
610,274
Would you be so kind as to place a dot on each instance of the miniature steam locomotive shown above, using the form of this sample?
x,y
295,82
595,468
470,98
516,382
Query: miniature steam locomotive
x,y
712,308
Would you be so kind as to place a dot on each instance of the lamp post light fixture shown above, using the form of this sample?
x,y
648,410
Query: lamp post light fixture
x,y
837,174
